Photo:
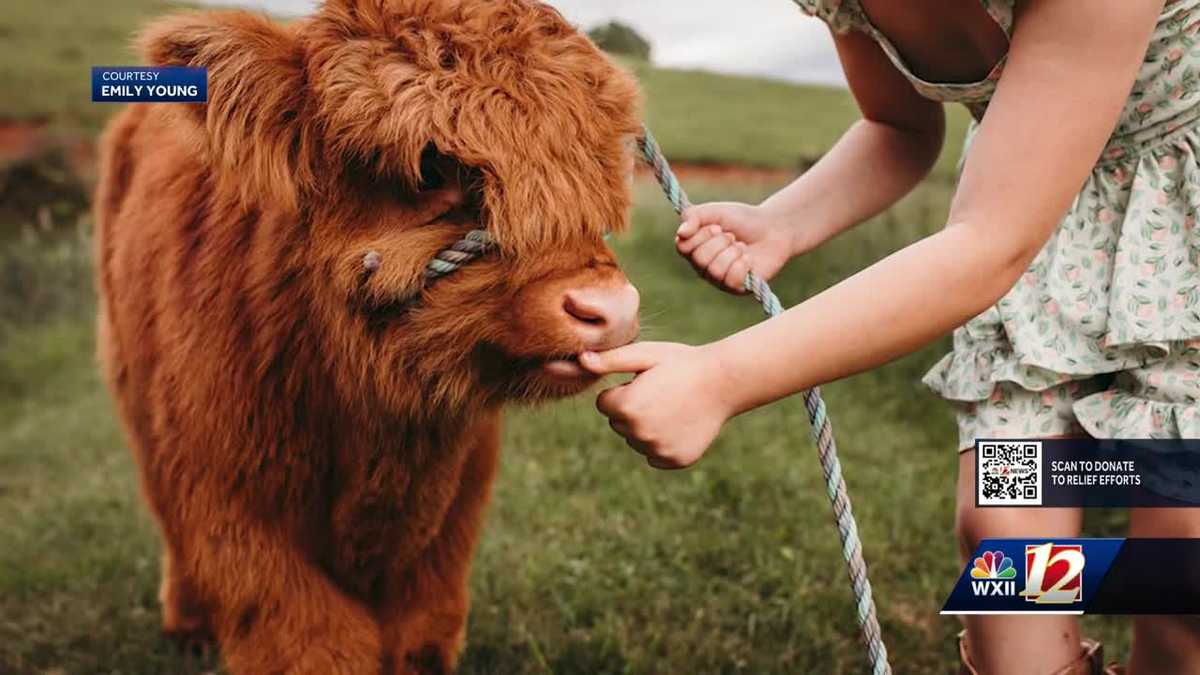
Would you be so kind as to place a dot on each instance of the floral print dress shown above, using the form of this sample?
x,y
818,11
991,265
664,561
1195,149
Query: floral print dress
x,y
1102,333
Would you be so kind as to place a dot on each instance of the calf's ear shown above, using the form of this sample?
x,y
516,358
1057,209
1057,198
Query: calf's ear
x,y
253,128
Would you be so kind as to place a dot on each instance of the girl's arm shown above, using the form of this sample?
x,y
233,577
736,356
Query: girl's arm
x,y
876,162
1068,75
882,157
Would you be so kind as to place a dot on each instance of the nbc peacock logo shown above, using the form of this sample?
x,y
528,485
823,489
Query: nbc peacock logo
x,y
993,574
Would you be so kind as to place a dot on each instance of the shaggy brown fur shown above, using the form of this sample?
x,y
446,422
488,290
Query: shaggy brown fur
x,y
319,454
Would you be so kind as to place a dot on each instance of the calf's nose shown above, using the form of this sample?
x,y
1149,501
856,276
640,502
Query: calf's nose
x,y
605,317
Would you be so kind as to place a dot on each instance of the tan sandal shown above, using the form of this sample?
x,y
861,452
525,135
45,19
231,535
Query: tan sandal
x,y
1090,661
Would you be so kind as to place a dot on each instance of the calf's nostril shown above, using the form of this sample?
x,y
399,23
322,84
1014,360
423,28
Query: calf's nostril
x,y
583,310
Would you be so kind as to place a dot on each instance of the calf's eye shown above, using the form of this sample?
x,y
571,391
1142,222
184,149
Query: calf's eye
x,y
436,169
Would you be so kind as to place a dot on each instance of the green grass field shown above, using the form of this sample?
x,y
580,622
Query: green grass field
x,y
591,563
711,118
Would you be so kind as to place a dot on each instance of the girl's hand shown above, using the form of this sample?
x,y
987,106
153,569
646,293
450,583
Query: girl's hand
x,y
672,410
726,240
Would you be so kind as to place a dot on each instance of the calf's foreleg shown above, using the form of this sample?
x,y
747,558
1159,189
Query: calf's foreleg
x,y
424,617
272,610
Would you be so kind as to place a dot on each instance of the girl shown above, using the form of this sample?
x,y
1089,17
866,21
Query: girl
x,y
1069,265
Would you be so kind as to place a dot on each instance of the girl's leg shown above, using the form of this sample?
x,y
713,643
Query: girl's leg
x,y
1025,645
1165,644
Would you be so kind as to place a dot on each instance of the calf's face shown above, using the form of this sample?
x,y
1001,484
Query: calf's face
x,y
380,132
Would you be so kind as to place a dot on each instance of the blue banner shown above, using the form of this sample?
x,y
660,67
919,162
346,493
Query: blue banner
x,y
145,84
1080,576
1032,576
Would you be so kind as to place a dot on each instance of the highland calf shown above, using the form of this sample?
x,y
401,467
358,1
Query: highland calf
x,y
317,427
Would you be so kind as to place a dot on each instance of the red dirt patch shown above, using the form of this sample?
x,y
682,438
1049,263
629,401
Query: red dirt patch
x,y
45,176
22,141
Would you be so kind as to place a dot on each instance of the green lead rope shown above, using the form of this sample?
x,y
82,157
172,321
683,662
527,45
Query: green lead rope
x,y
822,433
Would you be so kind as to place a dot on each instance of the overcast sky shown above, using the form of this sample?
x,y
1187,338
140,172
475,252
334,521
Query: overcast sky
x,y
757,37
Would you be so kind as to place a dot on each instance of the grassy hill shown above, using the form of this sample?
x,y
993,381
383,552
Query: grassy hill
x,y
698,116
712,118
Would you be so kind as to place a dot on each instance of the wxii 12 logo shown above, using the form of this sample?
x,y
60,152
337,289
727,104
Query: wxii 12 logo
x,y
1053,574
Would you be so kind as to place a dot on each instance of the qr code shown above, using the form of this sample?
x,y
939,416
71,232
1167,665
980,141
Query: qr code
x,y
1009,473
